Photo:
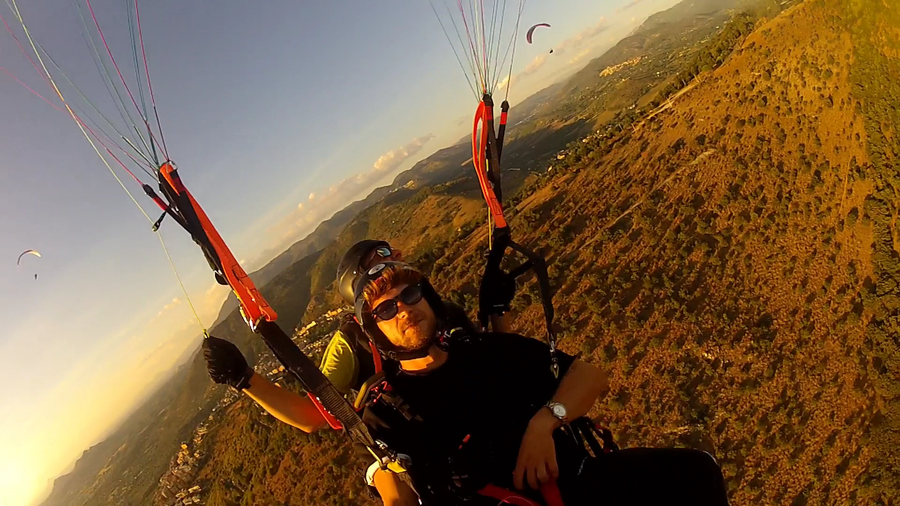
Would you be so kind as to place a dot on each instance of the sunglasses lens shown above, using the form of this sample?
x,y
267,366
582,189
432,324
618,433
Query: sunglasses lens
x,y
383,251
386,310
411,295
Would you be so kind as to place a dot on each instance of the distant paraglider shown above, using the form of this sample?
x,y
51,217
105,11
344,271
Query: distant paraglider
x,y
530,33
25,253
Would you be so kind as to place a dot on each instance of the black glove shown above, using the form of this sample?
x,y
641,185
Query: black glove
x,y
498,289
226,364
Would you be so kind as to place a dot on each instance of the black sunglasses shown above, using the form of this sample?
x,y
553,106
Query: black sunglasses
x,y
411,295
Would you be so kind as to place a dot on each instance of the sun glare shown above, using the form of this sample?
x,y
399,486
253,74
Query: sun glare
x,y
18,484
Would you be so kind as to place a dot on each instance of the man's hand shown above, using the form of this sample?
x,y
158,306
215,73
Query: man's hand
x,y
537,455
226,364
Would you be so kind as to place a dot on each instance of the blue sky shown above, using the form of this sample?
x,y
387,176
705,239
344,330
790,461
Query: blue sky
x,y
276,112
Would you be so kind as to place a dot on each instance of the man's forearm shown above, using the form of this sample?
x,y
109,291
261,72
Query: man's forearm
x,y
577,391
580,388
285,405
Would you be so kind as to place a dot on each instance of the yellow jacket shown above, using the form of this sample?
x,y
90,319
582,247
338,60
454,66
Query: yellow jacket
x,y
340,364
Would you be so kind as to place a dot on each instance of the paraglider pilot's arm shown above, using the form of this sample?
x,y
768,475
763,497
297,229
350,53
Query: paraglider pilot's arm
x,y
227,366
580,387
285,405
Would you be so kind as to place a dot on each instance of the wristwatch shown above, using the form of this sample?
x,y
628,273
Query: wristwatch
x,y
558,411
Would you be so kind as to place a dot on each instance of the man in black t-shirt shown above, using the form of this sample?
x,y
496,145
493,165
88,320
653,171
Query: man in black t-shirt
x,y
489,410
348,363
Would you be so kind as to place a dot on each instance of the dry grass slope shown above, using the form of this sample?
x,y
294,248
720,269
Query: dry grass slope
x,y
736,304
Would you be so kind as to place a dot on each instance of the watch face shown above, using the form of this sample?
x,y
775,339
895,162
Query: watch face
x,y
559,411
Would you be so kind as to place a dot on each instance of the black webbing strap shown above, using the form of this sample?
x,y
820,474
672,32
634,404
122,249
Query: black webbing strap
x,y
493,272
307,372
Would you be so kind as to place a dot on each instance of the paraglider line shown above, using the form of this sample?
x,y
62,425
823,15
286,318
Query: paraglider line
x,y
475,60
501,63
84,132
16,79
78,119
513,44
484,50
453,47
100,141
87,100
146,155
111,88
487,43
147,160
137,73
181,284
149,83
137,77
496,41
8,29
72,113
116,66
138,181
470,58
51,104
482,31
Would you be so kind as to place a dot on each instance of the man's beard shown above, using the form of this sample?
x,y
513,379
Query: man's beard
x,y
417,332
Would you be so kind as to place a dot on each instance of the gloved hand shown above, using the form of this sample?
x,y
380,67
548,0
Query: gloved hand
x,y
226,364
498,289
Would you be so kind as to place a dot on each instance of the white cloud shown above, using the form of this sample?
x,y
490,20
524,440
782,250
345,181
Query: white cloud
x,y
175,302
394,158
328,202
582,54
212,301
535,64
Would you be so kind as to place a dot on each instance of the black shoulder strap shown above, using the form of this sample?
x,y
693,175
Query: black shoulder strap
x,y
359,343
390,398
354,334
